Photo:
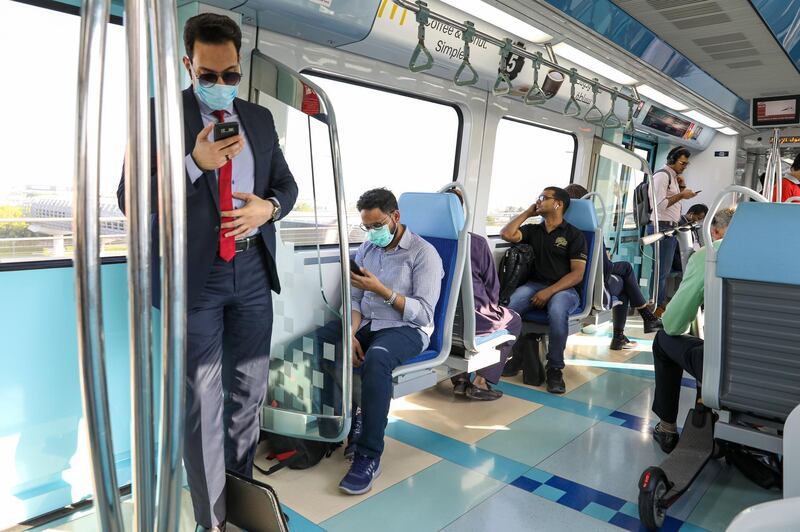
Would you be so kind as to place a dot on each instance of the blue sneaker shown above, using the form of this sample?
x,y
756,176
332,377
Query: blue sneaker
x,y
355,433
362,474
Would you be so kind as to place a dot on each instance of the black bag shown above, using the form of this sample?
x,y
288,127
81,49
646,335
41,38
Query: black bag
x,y
515,270
296,453
642,210
527,347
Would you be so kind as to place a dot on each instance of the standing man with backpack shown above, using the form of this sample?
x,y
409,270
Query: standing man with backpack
x,y
669,190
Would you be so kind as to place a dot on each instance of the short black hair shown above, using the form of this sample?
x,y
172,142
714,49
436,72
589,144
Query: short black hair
x,y
575,190
211,28
377,198
698,208
560,195
796,163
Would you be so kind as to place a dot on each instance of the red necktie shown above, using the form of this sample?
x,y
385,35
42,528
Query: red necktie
x,y
227,245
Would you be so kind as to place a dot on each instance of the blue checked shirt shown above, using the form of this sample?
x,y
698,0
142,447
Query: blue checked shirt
x,y
412,269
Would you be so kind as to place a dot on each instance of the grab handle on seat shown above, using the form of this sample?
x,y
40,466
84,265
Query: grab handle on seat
x,y
536,95
502,84
467,37
422,19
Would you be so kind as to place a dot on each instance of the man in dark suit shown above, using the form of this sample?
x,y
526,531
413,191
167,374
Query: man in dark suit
x,y
235,189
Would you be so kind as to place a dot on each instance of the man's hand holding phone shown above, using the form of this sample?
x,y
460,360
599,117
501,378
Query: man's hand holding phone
x,y
210,155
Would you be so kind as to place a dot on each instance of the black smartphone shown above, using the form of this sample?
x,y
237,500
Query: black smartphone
x,y
223,130
355,268
697,191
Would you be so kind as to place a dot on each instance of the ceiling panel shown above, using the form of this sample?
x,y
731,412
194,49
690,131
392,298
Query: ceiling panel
x,y
726,38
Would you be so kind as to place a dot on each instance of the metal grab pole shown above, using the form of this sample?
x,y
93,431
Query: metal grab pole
x,y
138,204
657,248
86,227
172,225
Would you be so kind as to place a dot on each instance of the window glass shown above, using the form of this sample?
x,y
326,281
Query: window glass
x,y
386,140
527,159
36,203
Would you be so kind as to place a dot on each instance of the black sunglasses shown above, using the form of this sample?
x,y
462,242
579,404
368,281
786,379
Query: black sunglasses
x,y
208,79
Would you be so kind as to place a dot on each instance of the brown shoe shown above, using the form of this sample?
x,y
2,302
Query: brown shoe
x,y
659,311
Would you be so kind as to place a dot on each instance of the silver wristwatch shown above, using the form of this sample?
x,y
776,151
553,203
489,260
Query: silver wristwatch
x,y
276,213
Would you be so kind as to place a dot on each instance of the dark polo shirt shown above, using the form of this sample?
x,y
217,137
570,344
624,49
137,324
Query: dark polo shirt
x,y
553,251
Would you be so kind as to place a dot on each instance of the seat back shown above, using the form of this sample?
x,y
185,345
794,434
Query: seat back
x,y
583,216
438,217
752,358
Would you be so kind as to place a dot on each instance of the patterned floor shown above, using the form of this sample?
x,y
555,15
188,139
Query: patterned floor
x,y
529,461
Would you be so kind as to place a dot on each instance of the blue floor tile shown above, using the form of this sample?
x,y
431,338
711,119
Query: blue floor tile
x,y
609,390
472,457
549,492
298,523
536,436
553,401
599,512
429,500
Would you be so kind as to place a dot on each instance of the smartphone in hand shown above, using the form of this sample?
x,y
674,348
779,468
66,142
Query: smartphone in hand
x,y
355,268
224,130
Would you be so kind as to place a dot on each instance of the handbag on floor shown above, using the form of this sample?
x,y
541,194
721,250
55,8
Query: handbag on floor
x,y
532,369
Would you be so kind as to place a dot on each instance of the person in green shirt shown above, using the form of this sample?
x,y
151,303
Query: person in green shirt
x,y
674,351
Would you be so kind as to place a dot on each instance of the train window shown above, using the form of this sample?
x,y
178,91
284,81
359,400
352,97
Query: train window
x,y
390,140
36,203
527,158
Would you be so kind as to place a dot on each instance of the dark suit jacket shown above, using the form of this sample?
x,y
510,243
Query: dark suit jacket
x,y
272,179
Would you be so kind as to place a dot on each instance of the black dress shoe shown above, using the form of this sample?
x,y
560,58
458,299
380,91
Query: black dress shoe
x,y
219,528
477,393
666,440
653,326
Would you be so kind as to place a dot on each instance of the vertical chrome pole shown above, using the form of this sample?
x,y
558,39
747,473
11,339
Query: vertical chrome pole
x,y
86,228
776,153
138,204
172,224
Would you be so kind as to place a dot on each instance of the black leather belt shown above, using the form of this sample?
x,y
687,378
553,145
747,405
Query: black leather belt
x,y
249,243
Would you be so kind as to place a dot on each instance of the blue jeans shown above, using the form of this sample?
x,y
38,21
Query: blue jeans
x,y
384,350
560,306
666,255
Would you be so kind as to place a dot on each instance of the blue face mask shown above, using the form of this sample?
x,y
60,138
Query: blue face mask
x,y
216,96
380,237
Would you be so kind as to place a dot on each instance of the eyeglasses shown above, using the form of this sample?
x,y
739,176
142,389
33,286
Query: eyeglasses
x,y
367,228
543,197
210,78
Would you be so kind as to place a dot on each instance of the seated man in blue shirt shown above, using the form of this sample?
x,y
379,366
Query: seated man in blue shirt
x,y
559,264
393,298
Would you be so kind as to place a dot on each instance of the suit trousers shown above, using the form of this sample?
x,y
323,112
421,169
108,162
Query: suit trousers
x,y
227,365
672,355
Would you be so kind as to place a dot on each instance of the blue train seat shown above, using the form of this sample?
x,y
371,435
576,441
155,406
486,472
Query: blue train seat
x,y
439,218
751,365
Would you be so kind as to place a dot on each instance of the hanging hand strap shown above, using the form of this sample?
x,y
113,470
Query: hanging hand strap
x,y
422,19
572,108
594,115
535,95
502,84
610,120
467,35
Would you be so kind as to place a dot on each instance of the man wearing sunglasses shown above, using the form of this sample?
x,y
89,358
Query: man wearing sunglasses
x,y
559,263
235,189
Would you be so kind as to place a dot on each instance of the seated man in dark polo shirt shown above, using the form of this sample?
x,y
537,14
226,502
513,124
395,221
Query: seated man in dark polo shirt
x,y
559,263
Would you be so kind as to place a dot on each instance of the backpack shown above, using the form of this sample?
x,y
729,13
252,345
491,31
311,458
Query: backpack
x,y
515,270
642,210
295,453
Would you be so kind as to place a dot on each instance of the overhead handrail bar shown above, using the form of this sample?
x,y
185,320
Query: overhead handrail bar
x,y
611,120
597,118
421,49
88,296
572,102
516,50
172,225
140,295
467,35
535,96
502,85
